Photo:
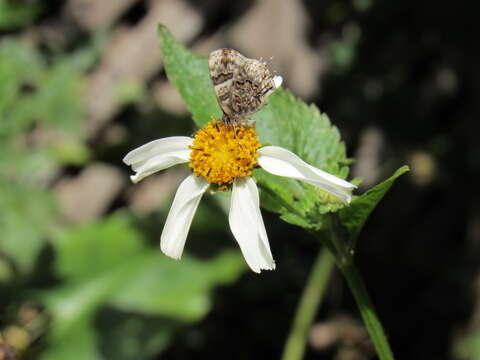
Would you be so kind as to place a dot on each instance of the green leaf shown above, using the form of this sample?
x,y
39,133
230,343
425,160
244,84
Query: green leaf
x,y
79,343
15,13
108,264
32,92
20,68
353,217
468,346
45,96
189,73
133,336
163,286
26,215
286,122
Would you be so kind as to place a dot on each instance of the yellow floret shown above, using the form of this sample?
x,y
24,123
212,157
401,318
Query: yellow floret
x,y
220,152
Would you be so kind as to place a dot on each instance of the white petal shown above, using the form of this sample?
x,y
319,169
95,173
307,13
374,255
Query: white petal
x,y
181,214
282,162
157,147
158,155
277,80
247,225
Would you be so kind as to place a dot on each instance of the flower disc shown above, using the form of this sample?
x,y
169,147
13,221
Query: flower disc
x,y
220,152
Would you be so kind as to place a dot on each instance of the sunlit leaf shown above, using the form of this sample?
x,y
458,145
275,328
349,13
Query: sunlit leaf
x,y
189,73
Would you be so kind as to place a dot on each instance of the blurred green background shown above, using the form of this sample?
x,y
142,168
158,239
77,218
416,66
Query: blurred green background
x,y
81,273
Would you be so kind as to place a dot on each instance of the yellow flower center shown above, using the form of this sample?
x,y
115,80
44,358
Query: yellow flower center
x,y
220,152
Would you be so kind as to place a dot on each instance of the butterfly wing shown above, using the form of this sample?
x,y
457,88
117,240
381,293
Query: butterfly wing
x,y
242,85
224,65
251,87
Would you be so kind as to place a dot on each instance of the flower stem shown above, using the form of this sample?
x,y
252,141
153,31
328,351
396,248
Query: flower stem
x,y
369,316
307,307
337,252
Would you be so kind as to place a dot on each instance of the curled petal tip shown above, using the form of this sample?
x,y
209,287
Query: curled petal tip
x,y
134,179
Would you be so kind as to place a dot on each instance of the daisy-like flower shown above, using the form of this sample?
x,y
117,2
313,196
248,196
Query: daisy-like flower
x,y
226,156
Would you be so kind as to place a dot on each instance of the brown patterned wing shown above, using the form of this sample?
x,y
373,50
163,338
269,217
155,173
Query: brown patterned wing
x,y
242,85
251,88
224,66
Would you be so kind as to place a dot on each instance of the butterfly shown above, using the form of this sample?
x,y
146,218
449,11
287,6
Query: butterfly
x,y
242,85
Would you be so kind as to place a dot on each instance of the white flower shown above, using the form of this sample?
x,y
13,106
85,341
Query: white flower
x,y
245,219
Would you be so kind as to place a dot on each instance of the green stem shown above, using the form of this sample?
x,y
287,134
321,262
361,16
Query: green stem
x,y
307,307
369,316
338,252
338,241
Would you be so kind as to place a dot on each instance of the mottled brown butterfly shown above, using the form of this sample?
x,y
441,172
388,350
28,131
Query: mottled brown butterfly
x,y
242,85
